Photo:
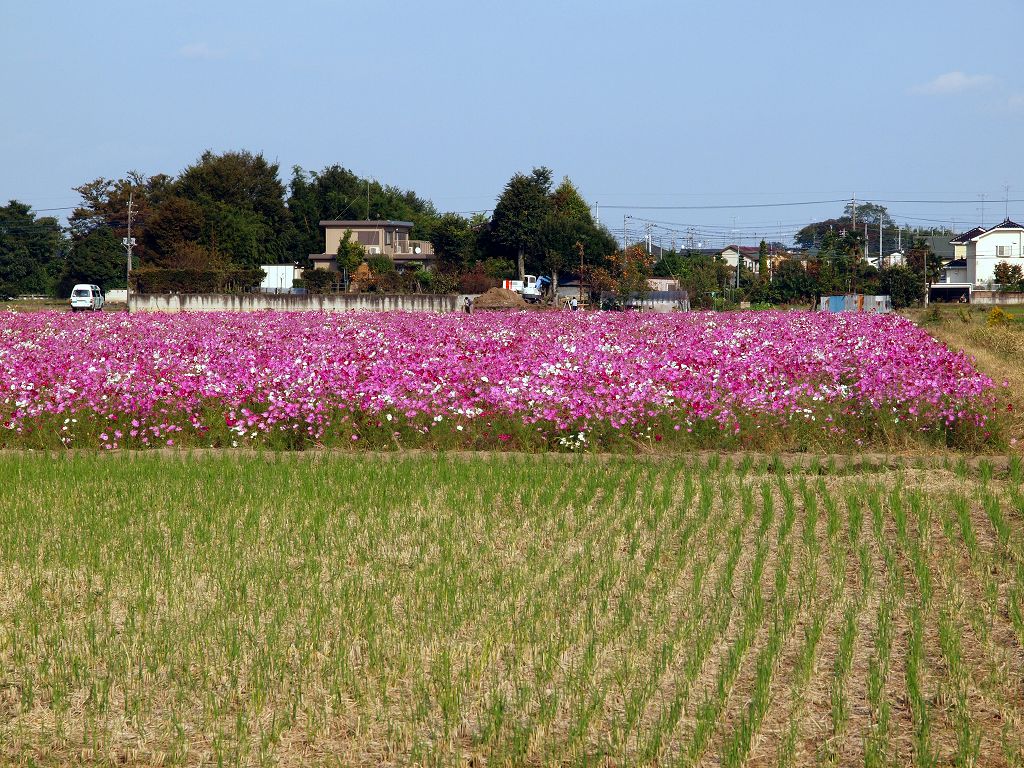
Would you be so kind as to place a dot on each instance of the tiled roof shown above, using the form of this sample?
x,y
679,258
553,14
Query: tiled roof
x,y
1006,224
970,234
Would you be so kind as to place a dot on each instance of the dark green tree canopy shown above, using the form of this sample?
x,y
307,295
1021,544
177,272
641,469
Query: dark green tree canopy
x,y
97,257
521,213
31,251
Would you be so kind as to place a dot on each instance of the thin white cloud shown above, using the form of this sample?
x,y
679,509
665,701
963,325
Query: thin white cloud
x,y
1016,102
200,51
953,82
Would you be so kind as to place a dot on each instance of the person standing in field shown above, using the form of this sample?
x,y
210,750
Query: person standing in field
x,y
574,304
469,306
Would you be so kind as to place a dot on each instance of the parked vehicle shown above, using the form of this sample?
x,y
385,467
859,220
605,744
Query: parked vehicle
x,y
86,297
531,288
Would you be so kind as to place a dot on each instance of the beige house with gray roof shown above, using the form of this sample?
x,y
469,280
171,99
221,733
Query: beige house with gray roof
x,y
378,238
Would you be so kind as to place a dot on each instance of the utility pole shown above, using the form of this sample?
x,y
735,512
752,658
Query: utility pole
x,y
982,196
879,242
1006,201
367,199
128,243
597,214
624,217
579,247
853,212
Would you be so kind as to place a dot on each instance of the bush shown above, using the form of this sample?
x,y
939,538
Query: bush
x,y
998,317
158,280
477,281
380,265
321,280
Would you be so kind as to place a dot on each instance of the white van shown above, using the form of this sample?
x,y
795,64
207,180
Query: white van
x,y
84,296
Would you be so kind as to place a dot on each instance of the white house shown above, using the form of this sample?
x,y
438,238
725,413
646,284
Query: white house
x,y
985,249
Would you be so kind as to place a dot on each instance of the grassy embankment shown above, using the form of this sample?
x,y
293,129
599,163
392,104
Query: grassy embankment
x,y
998,350
329,609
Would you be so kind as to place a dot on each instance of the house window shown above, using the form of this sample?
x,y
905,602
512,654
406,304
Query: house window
x,y
368,238
387,237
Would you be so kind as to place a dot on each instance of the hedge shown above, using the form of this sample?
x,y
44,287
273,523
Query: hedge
x,y
154,280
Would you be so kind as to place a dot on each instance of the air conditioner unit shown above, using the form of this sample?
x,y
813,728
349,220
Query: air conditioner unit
x,y
373,249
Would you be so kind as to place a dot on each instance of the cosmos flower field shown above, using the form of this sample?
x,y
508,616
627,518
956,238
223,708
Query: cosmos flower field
x,y
529,380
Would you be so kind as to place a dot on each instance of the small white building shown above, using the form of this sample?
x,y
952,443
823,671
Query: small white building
x,y
280,278
982,250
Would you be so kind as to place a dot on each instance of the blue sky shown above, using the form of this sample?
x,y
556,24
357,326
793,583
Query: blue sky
x,y
649,103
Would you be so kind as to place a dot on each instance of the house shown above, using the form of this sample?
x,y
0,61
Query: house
x,y
662,284
751,256
981,249
383,238
959,242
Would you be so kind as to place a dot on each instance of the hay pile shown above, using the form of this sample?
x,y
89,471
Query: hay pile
x,y
499,298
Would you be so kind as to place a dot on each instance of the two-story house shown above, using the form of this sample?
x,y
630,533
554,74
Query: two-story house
x,y
977,251
384,238
732,253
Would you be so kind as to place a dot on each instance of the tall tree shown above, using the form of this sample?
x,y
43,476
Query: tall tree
x,y
31,251
243,206
96,257
454,243
762,261
520,215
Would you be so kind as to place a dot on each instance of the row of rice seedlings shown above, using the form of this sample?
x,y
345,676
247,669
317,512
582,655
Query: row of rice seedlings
x,y
816,608
698,623
710,710
854,604
876,745
785,612
552,637
589,697
1000,683
638,678
968,739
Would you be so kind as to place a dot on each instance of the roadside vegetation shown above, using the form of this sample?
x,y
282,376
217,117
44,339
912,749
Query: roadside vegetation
x,y
296,609
994,337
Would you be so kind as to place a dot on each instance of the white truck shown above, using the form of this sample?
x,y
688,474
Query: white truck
x,y
530,287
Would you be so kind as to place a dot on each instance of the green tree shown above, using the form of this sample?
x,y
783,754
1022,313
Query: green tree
x,y
792,284
98,258
1009,276
762,261
31,251
243,206
903,285
520,215
454,243
173,227
105,204
350,254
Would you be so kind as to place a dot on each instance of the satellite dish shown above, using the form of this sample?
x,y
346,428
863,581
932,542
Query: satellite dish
x,y
416,249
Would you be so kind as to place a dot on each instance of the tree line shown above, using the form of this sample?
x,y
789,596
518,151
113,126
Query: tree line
x,y
223,216
231,212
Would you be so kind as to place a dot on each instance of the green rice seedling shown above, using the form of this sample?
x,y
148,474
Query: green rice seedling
x,y
924,751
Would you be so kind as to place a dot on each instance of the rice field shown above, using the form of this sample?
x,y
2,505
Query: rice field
x,y
432,609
